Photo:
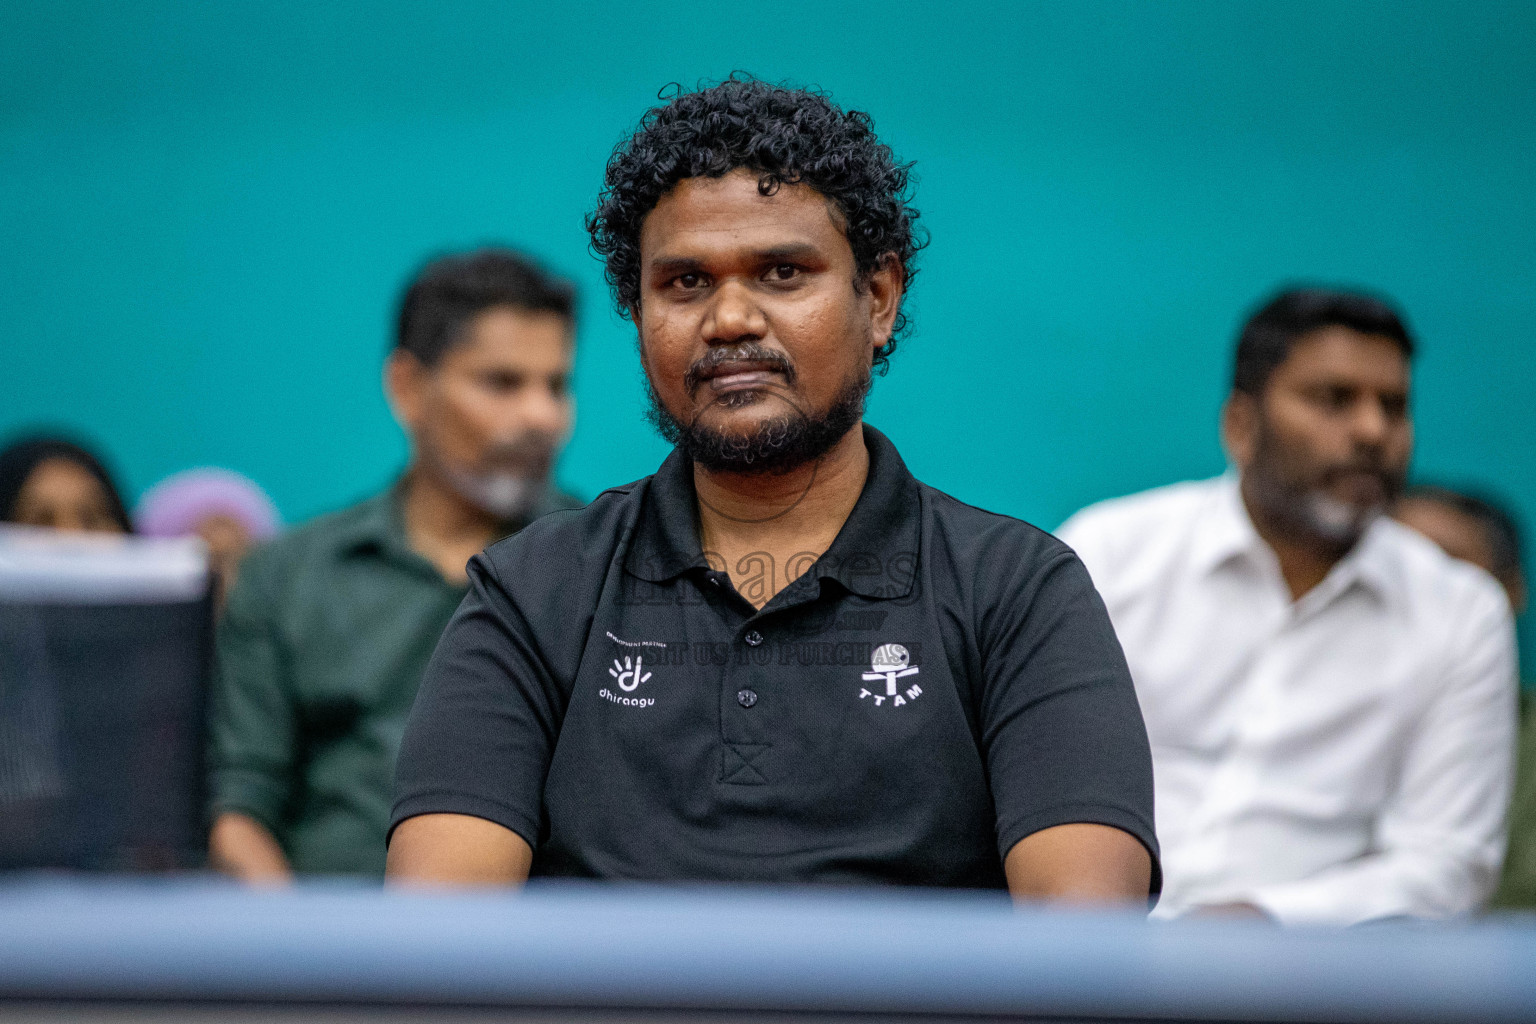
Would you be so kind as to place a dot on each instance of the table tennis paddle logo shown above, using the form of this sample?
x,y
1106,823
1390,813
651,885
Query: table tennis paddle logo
x,y
889,663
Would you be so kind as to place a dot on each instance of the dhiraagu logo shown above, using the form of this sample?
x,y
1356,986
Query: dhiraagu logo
x,y
628,674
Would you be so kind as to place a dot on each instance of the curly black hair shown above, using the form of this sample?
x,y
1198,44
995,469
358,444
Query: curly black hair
x,y
786,135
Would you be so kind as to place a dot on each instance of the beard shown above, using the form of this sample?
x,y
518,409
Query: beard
x,y
777,445
509,480
504,495
1297,501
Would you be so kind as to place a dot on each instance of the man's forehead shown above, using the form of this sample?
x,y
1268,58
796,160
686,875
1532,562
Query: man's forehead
x,y
1336,352
731,211
507,335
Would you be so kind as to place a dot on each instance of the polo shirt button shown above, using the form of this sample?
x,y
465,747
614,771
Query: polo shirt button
x,y
746,698
753,638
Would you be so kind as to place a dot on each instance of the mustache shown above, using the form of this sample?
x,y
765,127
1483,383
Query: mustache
x,y
534,450
1388,477
742,352
1371,466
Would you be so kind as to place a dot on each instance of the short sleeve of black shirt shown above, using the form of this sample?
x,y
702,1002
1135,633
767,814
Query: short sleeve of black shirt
x,y
1060,724
941,683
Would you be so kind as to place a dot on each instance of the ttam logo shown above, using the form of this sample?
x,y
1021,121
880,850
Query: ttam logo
x,y
888,664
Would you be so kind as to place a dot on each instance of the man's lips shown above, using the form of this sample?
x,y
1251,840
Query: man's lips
x,y
1359,485
739,375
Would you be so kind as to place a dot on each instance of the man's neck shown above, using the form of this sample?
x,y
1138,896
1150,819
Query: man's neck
x,y
791,518
442,527
1304,561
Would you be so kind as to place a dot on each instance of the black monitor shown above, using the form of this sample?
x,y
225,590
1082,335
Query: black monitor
x,y
105,649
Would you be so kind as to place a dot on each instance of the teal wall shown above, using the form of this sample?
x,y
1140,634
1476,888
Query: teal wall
x,y
207,210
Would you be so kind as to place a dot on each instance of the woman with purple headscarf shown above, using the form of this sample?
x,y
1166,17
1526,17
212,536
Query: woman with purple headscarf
x,y
230,512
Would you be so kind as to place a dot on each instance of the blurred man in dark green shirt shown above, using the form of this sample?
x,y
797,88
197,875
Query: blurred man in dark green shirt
x,y
329,628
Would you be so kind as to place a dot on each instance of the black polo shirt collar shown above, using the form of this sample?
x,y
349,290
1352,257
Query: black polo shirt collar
x,y
874,555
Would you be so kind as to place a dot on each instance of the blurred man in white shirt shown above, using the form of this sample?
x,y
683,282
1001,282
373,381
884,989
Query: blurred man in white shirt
x,y
1330,698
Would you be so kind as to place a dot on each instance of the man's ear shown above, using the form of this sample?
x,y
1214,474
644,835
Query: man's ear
x,y
1240,427
886,284
405,385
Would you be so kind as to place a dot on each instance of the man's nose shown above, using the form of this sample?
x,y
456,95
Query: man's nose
x,y
542,410
733,315
1371,423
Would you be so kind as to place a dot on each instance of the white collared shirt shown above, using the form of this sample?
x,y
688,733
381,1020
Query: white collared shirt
x,y
1340,758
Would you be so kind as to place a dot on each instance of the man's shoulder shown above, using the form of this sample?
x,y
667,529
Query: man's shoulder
x,y
573,536
1130,542
556,500
286,577
991,561
1168,507
1436,586
318,539
986,534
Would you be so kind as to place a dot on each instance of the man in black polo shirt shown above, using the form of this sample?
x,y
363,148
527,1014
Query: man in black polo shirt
x,y
780,658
